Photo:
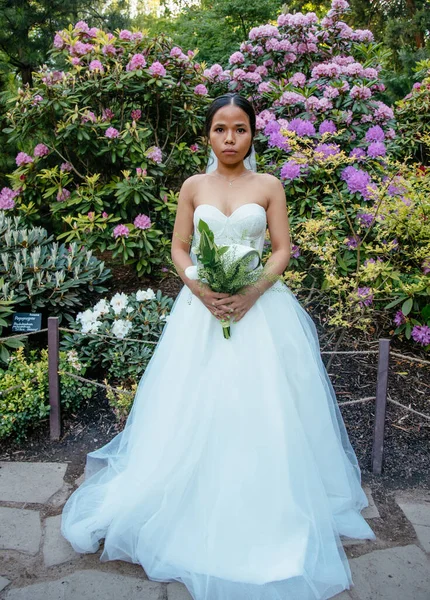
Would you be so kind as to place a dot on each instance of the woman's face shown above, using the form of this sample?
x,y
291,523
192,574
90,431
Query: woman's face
x,y
230,134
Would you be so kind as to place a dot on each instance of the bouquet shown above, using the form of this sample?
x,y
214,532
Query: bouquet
x,y
225,269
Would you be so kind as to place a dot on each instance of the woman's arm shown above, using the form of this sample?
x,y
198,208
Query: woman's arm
x,y
183,232
279,229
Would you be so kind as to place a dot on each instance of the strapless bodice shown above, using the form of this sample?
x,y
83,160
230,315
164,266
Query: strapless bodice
x,y
246,225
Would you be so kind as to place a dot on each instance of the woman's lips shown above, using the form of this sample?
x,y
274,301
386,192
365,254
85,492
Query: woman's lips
x,y
229,151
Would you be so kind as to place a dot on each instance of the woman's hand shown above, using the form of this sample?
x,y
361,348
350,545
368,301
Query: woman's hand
x,y
237,305
210,298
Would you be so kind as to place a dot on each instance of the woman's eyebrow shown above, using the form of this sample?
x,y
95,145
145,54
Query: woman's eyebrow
x,y
237,124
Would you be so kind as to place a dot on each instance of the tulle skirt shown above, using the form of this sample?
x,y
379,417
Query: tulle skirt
x,y
234,473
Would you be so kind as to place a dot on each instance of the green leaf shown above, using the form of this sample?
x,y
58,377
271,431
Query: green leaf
x,y
394,302
407,306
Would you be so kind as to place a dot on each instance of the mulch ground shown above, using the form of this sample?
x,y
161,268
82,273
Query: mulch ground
x,y
407,436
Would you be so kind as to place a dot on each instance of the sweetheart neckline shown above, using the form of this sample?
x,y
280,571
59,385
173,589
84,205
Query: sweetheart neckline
x,y
229,216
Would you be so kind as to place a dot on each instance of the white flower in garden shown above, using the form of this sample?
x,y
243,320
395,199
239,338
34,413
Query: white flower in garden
x,y
142,295
120,328
91,326
102,307
129,309
119,302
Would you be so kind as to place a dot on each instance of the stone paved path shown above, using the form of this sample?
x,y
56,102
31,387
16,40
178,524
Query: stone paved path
x,y
37,563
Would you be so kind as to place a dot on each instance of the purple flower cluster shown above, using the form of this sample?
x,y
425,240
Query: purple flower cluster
x,y
142,222
375,134
399,318
295,251
65,166
290,170
236,58
357,180
421,334
376,149
327,126
365,219
327,150
366,295
7,196
352,242
302,127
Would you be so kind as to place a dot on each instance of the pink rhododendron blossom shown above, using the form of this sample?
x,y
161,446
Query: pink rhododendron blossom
x,y
157,69
236,58
81,26
121,231
89,116
62,195
37,98
111,133
65,166
109,50
107,114
298,80
360,91
155,154
142,222
23,159
7,196
104,215
136,114
58,42
201,90
125,35
96,65
194,147
41,150
138,61
263,31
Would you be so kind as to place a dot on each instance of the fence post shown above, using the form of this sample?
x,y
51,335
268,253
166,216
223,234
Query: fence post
x,y
381,404
54,379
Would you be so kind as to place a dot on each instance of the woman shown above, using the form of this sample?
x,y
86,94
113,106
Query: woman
x,y
234,473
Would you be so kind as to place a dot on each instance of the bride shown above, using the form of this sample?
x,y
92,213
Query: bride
x,y
234,473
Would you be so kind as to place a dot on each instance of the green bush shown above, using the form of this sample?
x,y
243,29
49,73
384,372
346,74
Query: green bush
x,y
37,273
138,316
27,406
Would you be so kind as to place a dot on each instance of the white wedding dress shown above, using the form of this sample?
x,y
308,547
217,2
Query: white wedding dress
x,y
234,473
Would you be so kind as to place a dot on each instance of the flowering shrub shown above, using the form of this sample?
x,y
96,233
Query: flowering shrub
x,y
412,114
323,131
138,316
108,134
28,405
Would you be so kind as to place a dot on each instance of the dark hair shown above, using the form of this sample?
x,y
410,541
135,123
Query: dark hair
x,y
237,100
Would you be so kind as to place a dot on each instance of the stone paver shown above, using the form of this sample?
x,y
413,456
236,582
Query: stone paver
x,y
20,530
91,585
371,511
56,549
418,514
3,583
401,573
30,481
177,591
